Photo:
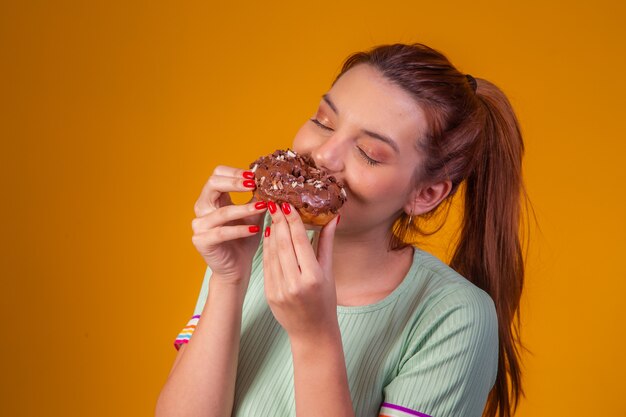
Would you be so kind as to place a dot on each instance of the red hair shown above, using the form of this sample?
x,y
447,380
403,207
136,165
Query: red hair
x,y
473,140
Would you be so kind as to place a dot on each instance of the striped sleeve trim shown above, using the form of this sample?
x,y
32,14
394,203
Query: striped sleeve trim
x,y
186,332
392,410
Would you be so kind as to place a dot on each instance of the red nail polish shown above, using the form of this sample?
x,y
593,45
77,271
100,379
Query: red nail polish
x,y
248,175
286,208
260,205
249,183
272,206
267,231
254,229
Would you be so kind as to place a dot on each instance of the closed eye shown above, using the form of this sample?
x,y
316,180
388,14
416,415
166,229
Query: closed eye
x,y
321,125
366,157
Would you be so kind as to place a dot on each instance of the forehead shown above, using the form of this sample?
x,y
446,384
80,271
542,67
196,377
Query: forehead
x,y
365,98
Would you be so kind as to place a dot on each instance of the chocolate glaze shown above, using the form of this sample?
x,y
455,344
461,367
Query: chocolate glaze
x,y
294,178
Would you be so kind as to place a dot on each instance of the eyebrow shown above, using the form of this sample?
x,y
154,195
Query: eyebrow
x,y
385,139
369,133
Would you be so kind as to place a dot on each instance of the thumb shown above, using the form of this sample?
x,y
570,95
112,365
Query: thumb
x,y
325,246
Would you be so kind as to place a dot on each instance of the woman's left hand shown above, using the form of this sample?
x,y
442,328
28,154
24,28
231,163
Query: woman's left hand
x,y
299,284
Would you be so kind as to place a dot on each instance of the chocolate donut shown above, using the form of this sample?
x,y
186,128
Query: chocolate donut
x,y
285,176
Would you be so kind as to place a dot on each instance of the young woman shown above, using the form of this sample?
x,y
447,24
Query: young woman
x,y
367,324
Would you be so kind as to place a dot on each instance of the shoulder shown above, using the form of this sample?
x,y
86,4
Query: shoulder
x,y
444,287
450,306
449,352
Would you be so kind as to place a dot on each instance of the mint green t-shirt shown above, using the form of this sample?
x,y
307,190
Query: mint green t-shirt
x,y
430,348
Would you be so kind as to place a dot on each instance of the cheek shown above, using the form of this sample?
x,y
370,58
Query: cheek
x,y
371,186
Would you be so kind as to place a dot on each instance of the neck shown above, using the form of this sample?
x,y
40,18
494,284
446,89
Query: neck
x,y
360,257
365,270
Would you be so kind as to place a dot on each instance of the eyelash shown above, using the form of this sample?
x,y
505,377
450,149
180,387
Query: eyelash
x,y
365,157
320,124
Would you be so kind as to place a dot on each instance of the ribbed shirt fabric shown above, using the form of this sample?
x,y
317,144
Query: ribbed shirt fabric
x,y
430,348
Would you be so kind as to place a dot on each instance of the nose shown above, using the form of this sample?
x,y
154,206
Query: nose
x,y
330,154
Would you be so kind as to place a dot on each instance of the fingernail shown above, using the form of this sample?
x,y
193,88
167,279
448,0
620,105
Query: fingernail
x,y
248,174
286,208
260,205
267,231
249,183
272,206
254,229
338,218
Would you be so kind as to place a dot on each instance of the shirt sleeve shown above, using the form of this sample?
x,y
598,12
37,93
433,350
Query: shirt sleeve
x,y
450,363
187,331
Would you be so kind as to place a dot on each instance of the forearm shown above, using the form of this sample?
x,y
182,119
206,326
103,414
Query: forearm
x,y
202,382
320,378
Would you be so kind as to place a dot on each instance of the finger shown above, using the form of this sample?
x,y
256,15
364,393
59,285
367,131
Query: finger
x,y
299,238
227,171
224,215
267,272
216,186
284,247
223,234
271,270
325,246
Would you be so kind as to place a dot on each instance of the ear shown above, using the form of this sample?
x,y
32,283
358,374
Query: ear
x,y
424,198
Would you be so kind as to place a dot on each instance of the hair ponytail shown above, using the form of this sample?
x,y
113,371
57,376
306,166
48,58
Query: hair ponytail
x,y
473,140
489,252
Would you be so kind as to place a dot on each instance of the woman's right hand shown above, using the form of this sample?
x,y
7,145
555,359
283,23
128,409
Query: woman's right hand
x,y
227,235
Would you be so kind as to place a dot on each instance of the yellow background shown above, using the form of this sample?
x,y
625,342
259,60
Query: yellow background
x,y
114,113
